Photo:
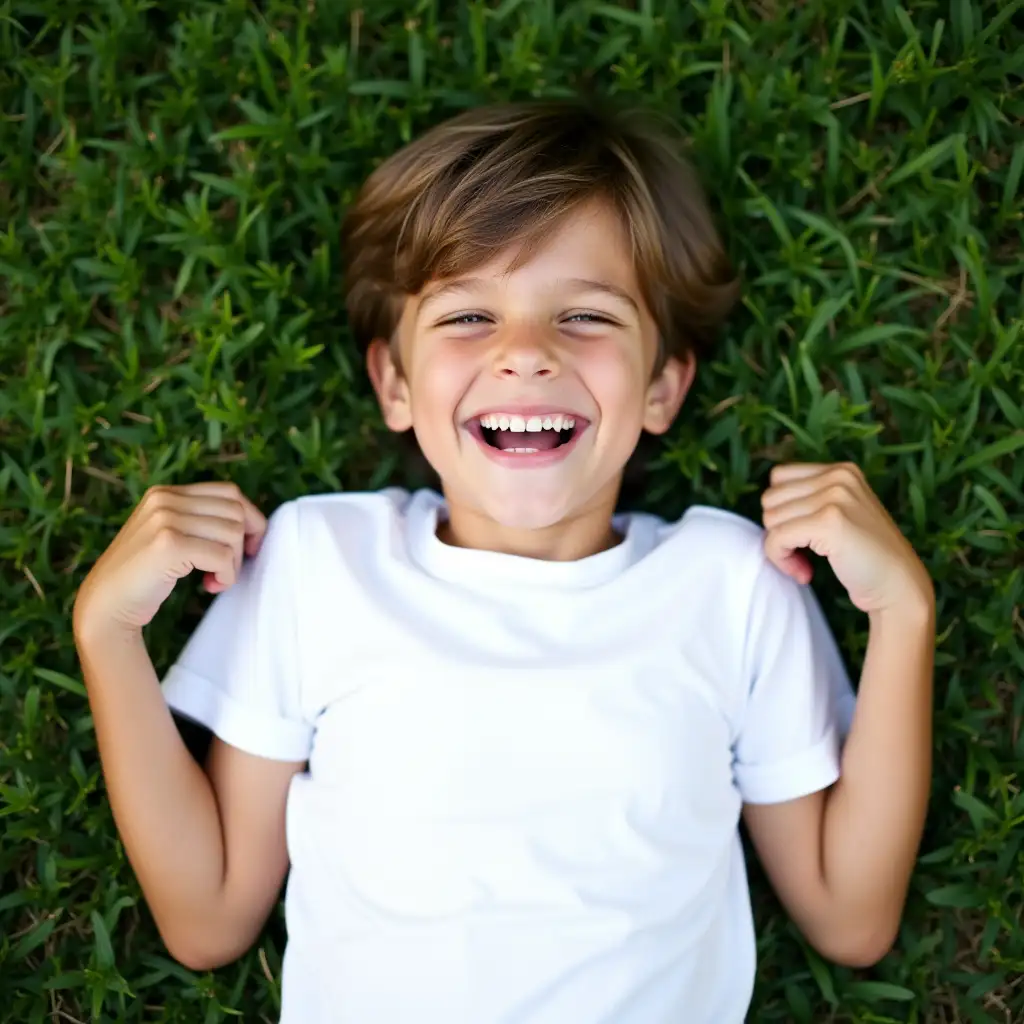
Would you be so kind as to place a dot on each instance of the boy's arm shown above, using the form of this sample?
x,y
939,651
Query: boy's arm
x,y
208,850
840,860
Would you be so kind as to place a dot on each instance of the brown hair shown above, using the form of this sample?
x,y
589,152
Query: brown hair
x,y
461,193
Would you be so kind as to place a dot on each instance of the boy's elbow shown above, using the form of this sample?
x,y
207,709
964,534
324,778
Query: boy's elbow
x,y
865,953
196,959
858,948
205,953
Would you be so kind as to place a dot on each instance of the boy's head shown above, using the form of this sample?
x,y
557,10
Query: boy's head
x,y
541,264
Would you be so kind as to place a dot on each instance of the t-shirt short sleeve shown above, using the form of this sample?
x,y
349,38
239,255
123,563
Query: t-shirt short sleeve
x,y
799,698
239,672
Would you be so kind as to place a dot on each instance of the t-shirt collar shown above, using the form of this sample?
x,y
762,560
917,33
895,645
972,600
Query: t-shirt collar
x,y
481,570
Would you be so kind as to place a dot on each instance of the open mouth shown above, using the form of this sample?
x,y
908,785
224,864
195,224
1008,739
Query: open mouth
x,y
527,435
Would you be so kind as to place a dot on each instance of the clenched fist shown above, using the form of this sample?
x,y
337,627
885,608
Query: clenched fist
x,y
832,510
173,530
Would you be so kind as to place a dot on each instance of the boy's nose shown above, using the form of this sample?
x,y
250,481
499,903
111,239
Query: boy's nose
x,y
525,354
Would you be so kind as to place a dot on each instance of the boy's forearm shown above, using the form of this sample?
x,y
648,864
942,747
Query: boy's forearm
x,y
875,813
163,802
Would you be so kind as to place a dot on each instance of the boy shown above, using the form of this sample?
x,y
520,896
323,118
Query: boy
x,y
502,735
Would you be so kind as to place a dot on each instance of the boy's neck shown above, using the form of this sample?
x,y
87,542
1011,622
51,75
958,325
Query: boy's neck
x,y
586,533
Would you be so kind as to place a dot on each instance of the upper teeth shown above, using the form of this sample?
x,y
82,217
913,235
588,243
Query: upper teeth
x,y
519,424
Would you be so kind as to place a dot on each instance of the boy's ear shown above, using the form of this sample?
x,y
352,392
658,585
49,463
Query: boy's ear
x,y
390,385
666,392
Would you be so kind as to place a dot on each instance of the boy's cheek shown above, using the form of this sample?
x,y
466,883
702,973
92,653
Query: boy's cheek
x,y
618,391
613,370
438,385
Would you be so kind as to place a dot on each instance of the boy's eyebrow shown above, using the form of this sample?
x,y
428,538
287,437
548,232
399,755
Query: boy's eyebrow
x,y
580,283
586,284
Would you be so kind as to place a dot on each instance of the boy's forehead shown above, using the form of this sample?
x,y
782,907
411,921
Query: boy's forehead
x,y
588,248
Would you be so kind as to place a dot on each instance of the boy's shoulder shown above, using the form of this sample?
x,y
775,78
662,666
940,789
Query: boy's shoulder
x,y
352,514
386,501
336,534
711,552
715,533
720,523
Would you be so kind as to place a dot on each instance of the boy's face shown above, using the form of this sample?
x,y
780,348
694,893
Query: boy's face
x,y
493,350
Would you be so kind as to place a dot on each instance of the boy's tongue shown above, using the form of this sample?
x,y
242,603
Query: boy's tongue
x,y
543,440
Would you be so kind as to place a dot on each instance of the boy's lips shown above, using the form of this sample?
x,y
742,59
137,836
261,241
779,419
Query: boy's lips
x,y
544,454
532,460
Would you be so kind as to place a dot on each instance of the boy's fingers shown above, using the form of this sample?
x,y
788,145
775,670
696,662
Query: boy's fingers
x,y
796,566
791,506
805,531
782,548
211,584
216,488
783,492
255,522
789,471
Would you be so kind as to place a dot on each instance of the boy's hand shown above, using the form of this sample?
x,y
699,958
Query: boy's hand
x,y
832,510
173,530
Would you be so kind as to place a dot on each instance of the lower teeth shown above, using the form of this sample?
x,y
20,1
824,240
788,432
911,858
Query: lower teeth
x,y
564,438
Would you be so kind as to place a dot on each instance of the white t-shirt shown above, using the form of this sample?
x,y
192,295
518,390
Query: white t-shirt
x,y
525,777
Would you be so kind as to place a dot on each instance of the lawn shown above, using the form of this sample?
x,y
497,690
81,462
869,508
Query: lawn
x,y
172,178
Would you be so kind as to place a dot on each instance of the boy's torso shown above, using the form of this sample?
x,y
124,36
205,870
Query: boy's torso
x,y
511,778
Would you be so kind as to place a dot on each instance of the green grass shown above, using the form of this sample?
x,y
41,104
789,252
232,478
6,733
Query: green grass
x,y
172,177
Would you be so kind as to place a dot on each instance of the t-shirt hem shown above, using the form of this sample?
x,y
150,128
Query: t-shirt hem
x,y
270,736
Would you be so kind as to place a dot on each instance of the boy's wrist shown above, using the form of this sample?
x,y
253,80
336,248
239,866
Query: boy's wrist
x,y
92,634
914,610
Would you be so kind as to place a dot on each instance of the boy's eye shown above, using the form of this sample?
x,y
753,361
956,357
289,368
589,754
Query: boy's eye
x,y
592,318
465,318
